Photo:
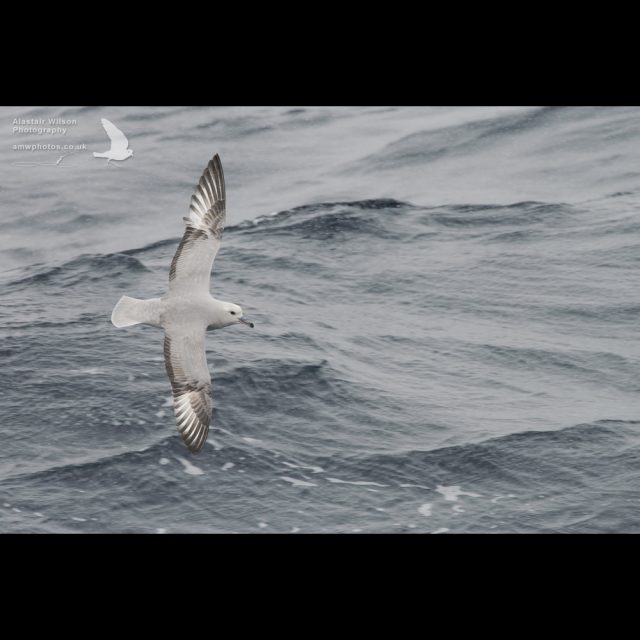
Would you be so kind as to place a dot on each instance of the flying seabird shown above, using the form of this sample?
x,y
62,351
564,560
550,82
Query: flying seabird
x,y
187,311
119,144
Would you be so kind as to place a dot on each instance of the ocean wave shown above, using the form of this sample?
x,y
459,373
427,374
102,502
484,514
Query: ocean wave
x,y
515,460
92,471
325,219
611,313
390,219
523,214
271,384
84,268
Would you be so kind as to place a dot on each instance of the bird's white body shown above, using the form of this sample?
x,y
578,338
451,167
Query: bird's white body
x,y
188,310
196,309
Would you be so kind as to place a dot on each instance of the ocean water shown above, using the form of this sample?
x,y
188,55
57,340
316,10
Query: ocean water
x,y
446,307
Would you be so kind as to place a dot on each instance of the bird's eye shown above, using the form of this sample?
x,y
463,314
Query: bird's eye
x,y
233,313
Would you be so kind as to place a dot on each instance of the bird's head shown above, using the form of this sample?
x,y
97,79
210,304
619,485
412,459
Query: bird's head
x,y
233,315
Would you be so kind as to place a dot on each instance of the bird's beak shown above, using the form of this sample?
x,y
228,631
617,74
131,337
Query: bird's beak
x,y
247,322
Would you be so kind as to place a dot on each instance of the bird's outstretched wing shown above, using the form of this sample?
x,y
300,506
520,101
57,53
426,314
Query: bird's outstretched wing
x,y
191,265
186,361
119,141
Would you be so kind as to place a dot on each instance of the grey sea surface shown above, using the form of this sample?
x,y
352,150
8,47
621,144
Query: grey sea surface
x,y
446,307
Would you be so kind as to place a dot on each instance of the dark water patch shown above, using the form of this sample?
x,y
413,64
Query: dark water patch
x,y
161,244
85,268
511,459
612,313
522,214
331,221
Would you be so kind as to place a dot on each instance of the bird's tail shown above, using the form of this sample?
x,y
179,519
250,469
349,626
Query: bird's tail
x,y
130,311
100,155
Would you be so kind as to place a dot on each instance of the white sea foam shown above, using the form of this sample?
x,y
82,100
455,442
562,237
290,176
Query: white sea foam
x,y
227,465
164,461
313,469
497,498
298,483
453,492
441,530
189,468
424,510
214,443
360,483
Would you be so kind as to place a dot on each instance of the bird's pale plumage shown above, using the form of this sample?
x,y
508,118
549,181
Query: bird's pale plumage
x,y
191,265
188,310
184,345
186,362
119,142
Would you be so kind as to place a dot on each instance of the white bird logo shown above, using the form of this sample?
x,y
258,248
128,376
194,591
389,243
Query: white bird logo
x,y
119,144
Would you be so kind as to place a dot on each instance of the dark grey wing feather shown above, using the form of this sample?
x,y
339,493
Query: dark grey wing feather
x,y
186,362
191,265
